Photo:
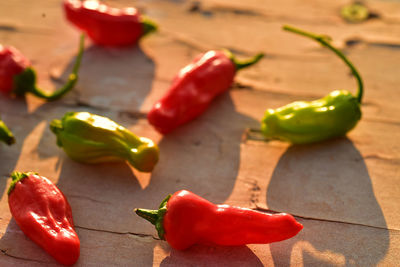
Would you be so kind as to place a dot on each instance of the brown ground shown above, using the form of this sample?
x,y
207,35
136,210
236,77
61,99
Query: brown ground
x,y
345,192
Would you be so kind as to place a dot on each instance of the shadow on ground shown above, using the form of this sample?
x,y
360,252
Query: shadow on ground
x,y
328,181
212,256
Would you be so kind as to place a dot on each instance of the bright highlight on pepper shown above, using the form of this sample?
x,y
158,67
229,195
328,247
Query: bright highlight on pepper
x,y
90,138
43,213
195,87
108,26
185,219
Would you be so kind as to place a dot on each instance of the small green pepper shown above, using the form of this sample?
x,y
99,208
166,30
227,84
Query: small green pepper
x,y
6,135
303,122
90,138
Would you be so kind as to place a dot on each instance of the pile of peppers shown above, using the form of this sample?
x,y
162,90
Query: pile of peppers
x,y
183,219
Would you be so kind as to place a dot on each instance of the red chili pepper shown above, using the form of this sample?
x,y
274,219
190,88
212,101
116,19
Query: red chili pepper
x,y
106,25
44,215
194,88
185,219
18,77
12,63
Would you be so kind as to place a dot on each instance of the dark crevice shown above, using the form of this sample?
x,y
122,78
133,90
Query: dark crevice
x,y
4,251
384,121
79,103
133,114
357,41
388,159
87,198
8,28
118,233
326,220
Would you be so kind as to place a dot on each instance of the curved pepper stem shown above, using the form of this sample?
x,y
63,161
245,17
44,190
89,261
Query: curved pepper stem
x,y
148,25
16,177
5,134
323,40
241,64
155,217
26,81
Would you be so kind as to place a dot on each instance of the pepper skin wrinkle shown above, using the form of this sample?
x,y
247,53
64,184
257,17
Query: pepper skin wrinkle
x,y
105,25
44,215
190,219
194,87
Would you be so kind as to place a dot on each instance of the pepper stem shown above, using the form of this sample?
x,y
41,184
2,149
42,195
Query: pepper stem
x,y
150,215
5,134
323,40
16,177
155,217
241,64
148,26
26,81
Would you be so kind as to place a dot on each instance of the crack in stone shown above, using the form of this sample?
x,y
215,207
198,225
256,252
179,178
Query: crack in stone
x,y
258,208
4,251
118,233
8,28
385,121
133,114
88,198
356,41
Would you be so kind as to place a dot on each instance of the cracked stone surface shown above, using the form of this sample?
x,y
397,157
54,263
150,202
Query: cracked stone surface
x,y
345,191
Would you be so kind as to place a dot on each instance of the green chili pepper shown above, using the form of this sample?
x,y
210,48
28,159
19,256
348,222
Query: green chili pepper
x,y
6,135
355,12
90,138
303,122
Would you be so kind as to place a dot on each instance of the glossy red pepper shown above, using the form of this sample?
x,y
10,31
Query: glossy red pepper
x,y
12,63
185,219
42,212
18,77
106,25
194,88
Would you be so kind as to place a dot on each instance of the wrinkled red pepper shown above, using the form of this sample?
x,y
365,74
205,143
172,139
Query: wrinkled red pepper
x,y
106,25
18,77
42,212
185,219
193,89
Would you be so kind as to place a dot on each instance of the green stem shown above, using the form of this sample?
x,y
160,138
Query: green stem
x,y
149,215
16,177
148,26
323,41
26,81
155,217
5,134
241,64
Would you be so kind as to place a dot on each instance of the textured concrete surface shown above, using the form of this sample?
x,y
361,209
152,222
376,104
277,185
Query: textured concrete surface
x,y
345,191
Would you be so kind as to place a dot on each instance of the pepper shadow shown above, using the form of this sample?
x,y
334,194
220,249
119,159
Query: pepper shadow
x,y
115,78
22,121
212,256
14,113
19,247
92,190
329,182
202,156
